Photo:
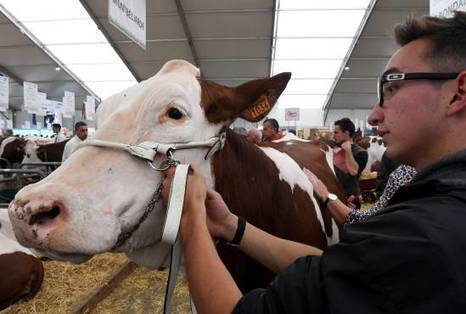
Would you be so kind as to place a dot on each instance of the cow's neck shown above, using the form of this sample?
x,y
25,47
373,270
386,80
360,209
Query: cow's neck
x,y
245,176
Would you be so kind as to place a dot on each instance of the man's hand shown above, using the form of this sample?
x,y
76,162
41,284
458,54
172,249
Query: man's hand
x,y
346,145
319,187
202,204
221,222
194,209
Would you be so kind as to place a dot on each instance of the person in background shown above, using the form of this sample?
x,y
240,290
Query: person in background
x,y
80,130
386,167
410,256
254,136
270,131
57,136
345,215
349,160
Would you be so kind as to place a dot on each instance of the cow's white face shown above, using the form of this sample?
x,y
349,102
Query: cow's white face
x,y
98,193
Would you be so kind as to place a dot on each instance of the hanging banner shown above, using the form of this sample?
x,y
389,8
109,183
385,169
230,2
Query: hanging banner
x,y
129,17
292,114
30,97
446,8
90,107
68,104
41,99
4,93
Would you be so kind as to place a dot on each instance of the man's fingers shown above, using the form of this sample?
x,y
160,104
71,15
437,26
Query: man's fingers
x,y
171,172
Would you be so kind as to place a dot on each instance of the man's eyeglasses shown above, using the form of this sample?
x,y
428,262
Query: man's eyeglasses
x,y
391,77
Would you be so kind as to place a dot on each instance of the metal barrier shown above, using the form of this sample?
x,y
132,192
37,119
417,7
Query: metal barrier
x,y
48,166
16,176
5,162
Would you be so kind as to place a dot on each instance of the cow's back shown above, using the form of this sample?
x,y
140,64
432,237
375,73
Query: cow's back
x,y
21,276
51,152
248,180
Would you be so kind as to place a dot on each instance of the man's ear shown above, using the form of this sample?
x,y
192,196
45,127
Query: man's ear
x,y
458,102
251,101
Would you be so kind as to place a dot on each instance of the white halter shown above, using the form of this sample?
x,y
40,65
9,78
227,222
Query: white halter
x,y
148,151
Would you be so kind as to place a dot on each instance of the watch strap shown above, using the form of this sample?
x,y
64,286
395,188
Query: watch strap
x,y
239,232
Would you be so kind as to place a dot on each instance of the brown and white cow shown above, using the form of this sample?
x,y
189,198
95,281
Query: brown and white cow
x,y
12,149
99,193
21,277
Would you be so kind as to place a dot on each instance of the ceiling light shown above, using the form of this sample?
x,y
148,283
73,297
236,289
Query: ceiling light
x,y
57,69
347,68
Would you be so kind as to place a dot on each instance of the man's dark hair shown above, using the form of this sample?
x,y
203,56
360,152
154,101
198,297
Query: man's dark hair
x,y
56,125
79,124
447,37
346,124
273,123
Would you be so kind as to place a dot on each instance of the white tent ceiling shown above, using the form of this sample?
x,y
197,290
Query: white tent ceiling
x,y
231,41
22,60
356,87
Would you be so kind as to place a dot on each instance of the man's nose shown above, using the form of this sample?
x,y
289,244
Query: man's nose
x,y
376,115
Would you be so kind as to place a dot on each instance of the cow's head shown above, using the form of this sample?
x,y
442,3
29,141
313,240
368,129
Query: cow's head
x,y
100,193
13,149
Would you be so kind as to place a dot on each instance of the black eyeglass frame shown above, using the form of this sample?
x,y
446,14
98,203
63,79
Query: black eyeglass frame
x,y
390,77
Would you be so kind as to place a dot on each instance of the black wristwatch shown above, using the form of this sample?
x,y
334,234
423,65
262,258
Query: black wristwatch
x,y
239,232
330,197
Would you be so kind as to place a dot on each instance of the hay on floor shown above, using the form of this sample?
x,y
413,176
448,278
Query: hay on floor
x,y
65,283
143,292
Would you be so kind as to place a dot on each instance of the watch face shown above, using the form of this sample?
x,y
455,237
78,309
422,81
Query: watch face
x,y
332,197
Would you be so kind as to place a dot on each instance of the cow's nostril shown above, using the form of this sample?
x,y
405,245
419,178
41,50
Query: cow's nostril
x,y
44,216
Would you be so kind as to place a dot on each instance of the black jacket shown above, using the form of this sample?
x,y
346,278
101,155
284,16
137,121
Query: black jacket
x,y
408,258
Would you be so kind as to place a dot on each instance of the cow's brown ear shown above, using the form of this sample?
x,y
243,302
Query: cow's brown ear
x,y
270,91
251,101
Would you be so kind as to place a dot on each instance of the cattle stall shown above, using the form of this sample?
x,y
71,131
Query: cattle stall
x,y
90,288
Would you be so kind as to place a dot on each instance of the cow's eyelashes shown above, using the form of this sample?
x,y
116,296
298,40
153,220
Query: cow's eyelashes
x,y
175,113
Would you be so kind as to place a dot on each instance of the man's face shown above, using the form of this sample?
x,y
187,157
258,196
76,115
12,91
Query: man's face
x,y
411,116
55,129
339,135
268,132
81,132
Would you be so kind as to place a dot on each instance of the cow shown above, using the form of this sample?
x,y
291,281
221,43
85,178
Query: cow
x,y
9,244
101,195
12,149
375,148
51,152
21,277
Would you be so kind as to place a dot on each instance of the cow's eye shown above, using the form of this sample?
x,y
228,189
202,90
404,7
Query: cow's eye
x,y
175,113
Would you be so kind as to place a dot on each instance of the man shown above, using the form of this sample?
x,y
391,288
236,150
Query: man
x,y
270,131
349,160
57,136
254,136
410,256
80,130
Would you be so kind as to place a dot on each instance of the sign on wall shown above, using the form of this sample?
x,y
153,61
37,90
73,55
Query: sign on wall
x,y
446,8
129,17
4,93
41,99
90,107
30,97
68,104
292,114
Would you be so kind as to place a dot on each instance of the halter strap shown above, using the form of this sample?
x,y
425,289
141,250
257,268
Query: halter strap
x,y
148,150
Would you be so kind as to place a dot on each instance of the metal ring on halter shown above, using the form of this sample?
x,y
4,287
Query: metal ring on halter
x,y
161,168
170,161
